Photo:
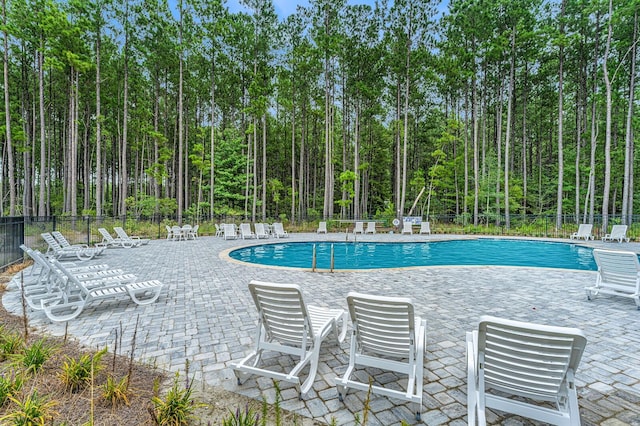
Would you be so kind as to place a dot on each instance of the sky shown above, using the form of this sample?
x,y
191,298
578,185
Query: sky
x,y
285,8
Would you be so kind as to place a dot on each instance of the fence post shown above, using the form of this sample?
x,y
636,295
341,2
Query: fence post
x,y
54,223
88,230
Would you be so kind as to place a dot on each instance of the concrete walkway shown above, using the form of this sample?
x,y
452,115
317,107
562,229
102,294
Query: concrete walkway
x,y
205,319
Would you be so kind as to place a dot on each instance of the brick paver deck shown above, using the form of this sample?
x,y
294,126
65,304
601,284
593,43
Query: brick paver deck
x,y
205,318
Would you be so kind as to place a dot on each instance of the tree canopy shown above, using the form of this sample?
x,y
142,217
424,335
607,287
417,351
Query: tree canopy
x,y
490,109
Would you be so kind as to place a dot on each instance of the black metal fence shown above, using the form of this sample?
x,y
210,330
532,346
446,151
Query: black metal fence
x,y
11,236
18,230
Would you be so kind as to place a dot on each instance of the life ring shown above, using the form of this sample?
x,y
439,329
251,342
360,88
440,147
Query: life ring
x,y
396,222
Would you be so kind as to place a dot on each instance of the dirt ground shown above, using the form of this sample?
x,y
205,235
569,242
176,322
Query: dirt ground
x,y
77,408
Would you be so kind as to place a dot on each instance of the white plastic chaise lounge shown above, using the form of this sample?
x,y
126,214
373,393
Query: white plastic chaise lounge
x,y
358,228
77,294
583,232
523,360
407,227
109,241
425,228
387,335
322,228
278,230
261,232
289,326
618,275
52,284
245,231
229,231
57,251
371,228
64,243
618,232
136,240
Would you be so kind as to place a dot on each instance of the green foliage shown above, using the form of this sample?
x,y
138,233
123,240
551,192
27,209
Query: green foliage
x,y
115,392
34,356
147,205
34,410
248,417
76,373
10,344
9,386
176,408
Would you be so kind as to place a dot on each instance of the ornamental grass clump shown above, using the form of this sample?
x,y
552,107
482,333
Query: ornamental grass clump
x,y
77,373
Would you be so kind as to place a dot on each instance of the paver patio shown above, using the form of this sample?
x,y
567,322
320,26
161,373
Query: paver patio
x,y
205,318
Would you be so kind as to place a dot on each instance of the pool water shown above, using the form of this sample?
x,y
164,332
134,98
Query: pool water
x,y
370,255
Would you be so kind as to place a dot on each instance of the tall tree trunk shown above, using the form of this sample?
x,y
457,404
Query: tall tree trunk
x,y
560,122
7,116
407,86
98,127
264,168
44,176
627,195
607,137
180,194
590,196
213,137
125,119
507,141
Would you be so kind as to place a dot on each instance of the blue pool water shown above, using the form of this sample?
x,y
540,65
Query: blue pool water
x,y
369,255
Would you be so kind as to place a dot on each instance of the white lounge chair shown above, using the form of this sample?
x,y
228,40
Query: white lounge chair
x,y
584,232
193,232
523,360
261,232
278,230
389,336
371,228
358,228
407,227
245,231
64,243
322,228
136,240
618,275
425,228
109,241
618,232
287,325
219,230
230,232
76,294
57,251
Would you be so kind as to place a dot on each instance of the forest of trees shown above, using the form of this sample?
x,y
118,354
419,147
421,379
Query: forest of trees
x,y
491,109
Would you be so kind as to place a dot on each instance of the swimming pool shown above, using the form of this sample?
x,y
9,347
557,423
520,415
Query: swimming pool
x,y
375,255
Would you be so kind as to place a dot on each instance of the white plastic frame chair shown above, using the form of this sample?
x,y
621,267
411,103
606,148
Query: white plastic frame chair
x,y
261,232
136,240
425,228
407,227
583,232
109,241
358,228
618,232
618,275
245,231
287,325
76,294
278,230
371,228
322,228
57,251
523,360
386,335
